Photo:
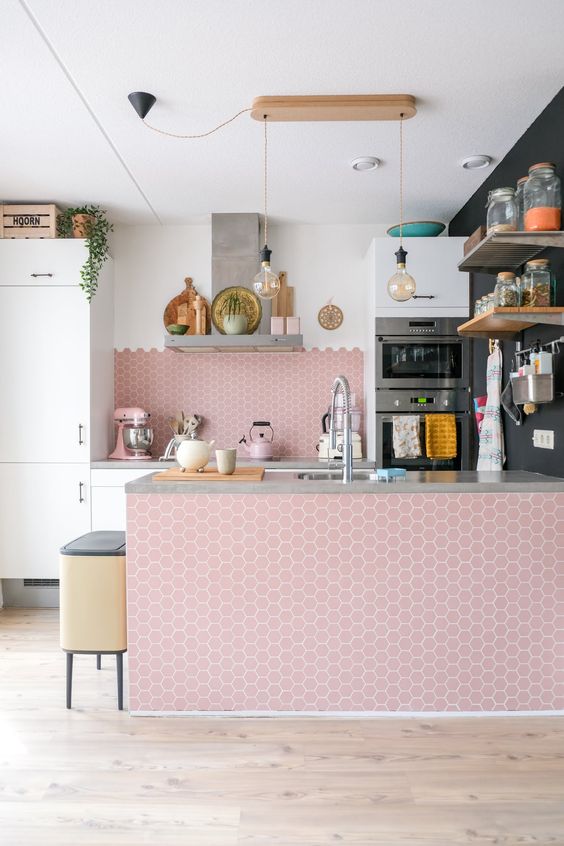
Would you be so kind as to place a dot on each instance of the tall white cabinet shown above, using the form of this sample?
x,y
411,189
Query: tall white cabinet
x,y
433,264
56,401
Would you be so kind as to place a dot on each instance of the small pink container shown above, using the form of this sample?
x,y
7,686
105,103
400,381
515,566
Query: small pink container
x,y
278,325
293,325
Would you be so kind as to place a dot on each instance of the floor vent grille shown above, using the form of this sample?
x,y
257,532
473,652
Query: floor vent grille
x,y
45,583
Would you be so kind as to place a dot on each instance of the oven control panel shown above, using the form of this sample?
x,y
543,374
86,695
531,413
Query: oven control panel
x,y
422,402
410,402
422,330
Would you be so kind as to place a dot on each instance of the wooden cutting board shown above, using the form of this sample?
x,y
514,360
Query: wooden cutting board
x,y
210,474
283,302
187,298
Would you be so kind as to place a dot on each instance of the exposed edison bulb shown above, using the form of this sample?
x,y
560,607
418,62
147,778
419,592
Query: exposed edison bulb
x,y
266,284
401,286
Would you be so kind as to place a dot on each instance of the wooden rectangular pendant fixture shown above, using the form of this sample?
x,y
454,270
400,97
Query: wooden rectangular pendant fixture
x,y
332,107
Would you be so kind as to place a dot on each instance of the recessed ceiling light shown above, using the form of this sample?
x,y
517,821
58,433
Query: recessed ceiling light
x,y
364,163
476,162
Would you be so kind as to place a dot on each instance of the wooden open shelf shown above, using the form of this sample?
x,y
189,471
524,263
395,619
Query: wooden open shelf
x,y
508,250
508,322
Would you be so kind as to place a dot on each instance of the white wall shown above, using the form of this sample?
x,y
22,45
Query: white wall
x,y
150,264
322,262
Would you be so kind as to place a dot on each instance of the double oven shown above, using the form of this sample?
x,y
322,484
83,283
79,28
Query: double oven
x,y
422,367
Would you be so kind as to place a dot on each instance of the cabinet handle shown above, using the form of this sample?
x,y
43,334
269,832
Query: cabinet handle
x,y
81,498
35,275
80,438
423,297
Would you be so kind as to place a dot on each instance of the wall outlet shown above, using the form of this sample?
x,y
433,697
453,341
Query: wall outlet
x,y
543,438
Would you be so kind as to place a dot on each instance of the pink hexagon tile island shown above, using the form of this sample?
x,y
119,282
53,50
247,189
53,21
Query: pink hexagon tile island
x,y
330,602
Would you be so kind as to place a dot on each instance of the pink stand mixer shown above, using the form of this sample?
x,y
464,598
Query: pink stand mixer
x,y
134,436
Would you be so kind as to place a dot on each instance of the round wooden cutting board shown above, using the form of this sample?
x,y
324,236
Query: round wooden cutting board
x,y
187,297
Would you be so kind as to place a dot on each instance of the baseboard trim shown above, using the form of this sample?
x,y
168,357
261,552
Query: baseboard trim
x,y
362,715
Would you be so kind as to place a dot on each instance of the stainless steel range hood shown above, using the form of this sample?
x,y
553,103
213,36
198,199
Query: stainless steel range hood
x,y
235,256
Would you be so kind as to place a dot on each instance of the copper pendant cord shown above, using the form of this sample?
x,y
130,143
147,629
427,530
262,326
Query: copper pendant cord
x,y
202,134
401,180
265,181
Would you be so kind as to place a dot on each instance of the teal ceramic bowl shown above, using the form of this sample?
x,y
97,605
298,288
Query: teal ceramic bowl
x,y
177,329
418,229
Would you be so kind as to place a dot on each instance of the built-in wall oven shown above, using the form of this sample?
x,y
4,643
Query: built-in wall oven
x,y
422,367
421,352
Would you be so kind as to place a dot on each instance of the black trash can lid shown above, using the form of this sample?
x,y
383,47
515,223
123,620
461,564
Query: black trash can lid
x,y
96,543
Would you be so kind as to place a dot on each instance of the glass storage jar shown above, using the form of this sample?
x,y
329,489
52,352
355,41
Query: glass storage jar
x,y
502,211
537,285
506,290
542,199
489,301
478,307
520,200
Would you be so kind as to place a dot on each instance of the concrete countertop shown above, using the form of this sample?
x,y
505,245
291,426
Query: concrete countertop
x,y
286,463
431,482
151,465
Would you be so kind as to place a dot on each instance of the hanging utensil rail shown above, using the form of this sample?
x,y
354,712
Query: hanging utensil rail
x,y
554,347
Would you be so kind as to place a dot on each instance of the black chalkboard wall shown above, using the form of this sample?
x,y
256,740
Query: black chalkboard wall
x,y
543,141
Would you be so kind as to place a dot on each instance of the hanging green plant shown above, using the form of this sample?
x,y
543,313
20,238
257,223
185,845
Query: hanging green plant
x,y
90,223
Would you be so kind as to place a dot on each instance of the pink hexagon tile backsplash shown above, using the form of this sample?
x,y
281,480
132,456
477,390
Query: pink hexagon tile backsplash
x,y
351,602
230,390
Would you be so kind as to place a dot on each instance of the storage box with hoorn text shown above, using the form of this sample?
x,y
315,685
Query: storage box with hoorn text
x,y
29,221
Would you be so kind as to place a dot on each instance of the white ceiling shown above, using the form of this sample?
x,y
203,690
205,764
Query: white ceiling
x,y
70,135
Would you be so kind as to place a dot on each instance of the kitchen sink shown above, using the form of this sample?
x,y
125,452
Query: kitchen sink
x,y
331,475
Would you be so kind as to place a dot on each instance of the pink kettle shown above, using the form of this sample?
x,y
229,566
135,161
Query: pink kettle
x,y
261,446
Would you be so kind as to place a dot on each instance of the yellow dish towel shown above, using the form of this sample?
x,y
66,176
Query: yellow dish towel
x,y
440,436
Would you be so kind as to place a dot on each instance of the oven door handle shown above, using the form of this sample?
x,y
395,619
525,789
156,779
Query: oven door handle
x,y
389,418
412,339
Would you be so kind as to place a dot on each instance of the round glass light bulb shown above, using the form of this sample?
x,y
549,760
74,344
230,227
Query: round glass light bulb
x,y
266,284
401,286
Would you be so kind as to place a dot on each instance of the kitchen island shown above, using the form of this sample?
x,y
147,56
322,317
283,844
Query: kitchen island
x,y
444,592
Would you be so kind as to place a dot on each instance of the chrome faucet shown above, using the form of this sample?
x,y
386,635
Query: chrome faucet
x,y
341,384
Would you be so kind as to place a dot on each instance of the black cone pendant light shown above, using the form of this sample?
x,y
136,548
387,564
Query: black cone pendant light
x,y
142,102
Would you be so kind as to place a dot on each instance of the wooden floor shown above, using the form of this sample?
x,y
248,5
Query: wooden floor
x,y
96,776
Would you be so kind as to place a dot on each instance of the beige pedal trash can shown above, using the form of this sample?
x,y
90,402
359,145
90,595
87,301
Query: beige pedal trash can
x,y
92,601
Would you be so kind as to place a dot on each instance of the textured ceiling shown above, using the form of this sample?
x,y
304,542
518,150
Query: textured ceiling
x,y
70,135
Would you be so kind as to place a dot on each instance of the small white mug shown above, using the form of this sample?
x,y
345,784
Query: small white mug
x,y
226,461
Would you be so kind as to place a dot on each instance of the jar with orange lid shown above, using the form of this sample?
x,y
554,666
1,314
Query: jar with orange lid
x,y
506,291
542,199
537,286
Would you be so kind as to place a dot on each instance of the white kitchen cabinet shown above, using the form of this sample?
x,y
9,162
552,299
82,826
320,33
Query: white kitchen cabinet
x,y
42,507
433,264
45,388
108,509
56,401
108,496
31,262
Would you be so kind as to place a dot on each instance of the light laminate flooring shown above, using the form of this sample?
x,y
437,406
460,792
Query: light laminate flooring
x,y
97,777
